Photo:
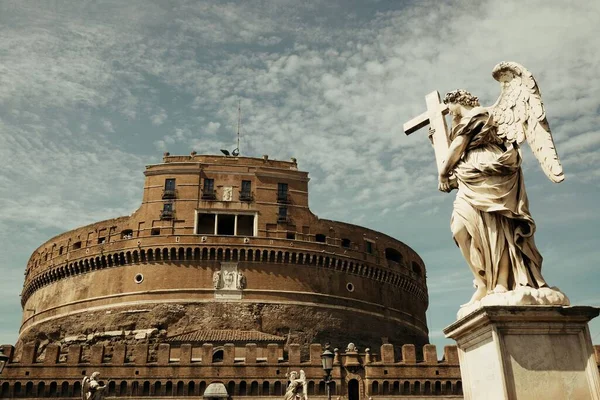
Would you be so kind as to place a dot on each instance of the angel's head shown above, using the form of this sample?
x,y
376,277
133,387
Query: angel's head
x,y
459,97
95,375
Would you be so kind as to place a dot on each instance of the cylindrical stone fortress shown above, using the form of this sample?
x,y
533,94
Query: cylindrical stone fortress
x,y
226,243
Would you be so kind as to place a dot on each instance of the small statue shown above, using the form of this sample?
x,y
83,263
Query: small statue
x,y
297,389
92,390
241,281
351,348
229,278
217,279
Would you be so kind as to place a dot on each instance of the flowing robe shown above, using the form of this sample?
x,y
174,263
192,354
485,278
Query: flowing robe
x,y
492,204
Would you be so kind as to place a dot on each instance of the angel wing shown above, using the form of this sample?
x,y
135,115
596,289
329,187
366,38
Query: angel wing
x,y
520,114
85,387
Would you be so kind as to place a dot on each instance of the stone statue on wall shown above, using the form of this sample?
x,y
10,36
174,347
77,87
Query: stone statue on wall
x,y
229,280
91,388
491,222
217,279
297,388
241,280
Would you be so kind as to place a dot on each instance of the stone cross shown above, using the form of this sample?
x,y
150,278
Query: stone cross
x,y
438,132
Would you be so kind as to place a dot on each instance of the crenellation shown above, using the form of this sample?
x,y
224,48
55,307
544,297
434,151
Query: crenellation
x,y
29,354
430,354
51,354
140,354
74,354
185,354
451,354
207,353
409,355
272,353
250,354
387,353
163,354
315,350
97,354
294,354
228,354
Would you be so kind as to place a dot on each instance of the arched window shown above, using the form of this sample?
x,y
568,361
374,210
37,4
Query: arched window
x,y
375,388
123,388
254,388
230,388
417,388
393,255
416,268
217,356
192,388
41,389
169,388
17,389
265,388
180,388
77,389
277,388
242,388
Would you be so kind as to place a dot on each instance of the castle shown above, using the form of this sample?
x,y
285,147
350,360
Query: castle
x,y
225,275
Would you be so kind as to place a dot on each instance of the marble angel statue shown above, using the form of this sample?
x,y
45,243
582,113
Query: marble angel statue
x,y
297,389
491,222
92,390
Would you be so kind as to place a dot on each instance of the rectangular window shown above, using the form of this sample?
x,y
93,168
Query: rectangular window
x,y
155,231
76,245
168,207
225,224
246,192
282,192
101,240
169,184
282,214
206,224
368,247
245,225
208,190
246,186
169,192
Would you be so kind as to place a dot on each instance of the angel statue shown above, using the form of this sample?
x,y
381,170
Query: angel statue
x,y
491,222
92,390
297,389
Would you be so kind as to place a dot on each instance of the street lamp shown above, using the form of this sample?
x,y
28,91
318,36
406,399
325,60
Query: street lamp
x,y
327,363
3,360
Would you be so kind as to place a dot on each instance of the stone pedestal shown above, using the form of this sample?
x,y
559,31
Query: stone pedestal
x,y
527,352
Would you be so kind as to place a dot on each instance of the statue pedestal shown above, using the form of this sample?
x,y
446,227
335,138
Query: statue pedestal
x,y
527,352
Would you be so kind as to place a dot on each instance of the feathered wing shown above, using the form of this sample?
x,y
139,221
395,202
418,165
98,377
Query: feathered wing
x,y
85,386
520,114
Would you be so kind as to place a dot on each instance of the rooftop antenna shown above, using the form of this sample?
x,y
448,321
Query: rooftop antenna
x,y
236,152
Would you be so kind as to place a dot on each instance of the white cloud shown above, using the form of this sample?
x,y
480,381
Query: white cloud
x,y
323,82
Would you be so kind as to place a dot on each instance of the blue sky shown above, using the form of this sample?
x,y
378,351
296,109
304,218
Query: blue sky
x,y
92,92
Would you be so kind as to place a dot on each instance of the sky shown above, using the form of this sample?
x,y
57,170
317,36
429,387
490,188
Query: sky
x,y
91,92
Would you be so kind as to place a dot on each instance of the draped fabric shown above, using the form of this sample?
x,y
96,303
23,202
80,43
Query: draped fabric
x,y
492,204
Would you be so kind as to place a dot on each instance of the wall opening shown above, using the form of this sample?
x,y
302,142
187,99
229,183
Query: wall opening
x,y
319,237
226,224
393,255
353,390
416,268
206,224
245,225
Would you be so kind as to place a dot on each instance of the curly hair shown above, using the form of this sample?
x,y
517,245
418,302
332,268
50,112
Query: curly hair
x,y
461,97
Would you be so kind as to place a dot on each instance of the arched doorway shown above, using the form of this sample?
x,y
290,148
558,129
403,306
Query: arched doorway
x,y
353,390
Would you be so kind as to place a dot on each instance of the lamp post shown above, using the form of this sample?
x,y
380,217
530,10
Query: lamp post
x,y
3,360
327,363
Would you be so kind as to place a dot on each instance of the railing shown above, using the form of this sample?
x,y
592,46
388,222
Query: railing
x,y
168,194
209,194
246,195
166,214
283,197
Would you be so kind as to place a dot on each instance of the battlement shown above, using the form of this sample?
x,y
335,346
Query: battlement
x,y
186,354
186,370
